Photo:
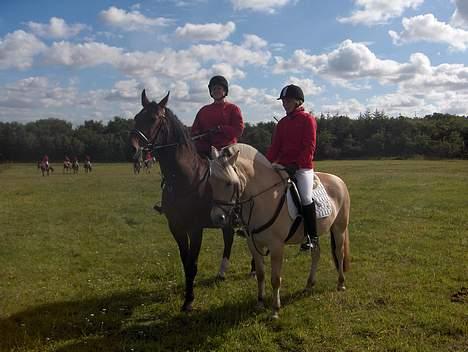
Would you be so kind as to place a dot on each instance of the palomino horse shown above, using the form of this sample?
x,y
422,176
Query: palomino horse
x,y
87,166
186,196
245,184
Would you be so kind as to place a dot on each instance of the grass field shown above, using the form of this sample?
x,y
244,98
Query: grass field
x,y
87,265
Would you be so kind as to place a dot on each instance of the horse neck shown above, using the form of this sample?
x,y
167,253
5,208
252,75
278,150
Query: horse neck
x,y
182,165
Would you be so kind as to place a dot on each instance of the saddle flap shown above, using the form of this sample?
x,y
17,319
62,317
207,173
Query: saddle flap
x,y
319,194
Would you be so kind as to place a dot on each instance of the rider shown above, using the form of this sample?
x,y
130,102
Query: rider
x,y
148,157
293,147
222,118
67,159
45,160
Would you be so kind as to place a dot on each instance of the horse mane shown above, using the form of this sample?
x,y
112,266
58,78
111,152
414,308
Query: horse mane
x,y
250,153
179,133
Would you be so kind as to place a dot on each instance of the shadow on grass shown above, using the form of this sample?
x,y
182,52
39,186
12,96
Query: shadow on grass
x,y
128,321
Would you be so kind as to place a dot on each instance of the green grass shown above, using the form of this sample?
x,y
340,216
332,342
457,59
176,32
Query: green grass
x,y
87,265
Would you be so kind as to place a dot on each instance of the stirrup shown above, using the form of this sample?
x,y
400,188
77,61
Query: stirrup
x,y
310,244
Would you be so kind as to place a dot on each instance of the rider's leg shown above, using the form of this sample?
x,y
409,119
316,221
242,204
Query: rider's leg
x,y
305,183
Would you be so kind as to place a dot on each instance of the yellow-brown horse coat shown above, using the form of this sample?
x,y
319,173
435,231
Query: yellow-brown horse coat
x,y
252,173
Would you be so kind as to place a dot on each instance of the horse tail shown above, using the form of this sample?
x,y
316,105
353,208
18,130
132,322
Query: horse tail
x,y
346,256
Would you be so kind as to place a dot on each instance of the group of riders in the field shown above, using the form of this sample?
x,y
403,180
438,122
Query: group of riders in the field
x,y
68,165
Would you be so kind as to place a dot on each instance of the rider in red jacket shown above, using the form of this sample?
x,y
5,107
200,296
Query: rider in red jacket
x,y
222,118
293,147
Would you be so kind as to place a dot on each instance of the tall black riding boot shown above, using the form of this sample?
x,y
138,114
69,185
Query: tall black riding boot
x,y
310,223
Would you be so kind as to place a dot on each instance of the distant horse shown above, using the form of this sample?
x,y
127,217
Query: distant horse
x,y
186,196
137,165
67,166
148,164
75,166
87,166
45,168
244,183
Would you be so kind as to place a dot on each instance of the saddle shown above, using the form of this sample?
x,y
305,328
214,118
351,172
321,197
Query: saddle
x,y
320,196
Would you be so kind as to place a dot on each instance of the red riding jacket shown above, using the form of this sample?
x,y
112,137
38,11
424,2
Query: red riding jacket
x,y
294,140
225,115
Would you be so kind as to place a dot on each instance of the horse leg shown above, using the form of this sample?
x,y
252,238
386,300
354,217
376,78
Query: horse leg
x,y
191,268
315,257
260,272
276,264
340,254
228,237
183,245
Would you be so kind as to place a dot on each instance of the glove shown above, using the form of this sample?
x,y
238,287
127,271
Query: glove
x,y
291,169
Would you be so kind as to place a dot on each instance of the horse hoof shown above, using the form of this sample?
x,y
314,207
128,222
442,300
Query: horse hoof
x,y
220,277
187,308
260,306
275,316
341,288
253,274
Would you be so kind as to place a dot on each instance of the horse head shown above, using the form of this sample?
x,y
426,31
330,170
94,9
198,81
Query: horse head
x,y
226,185
149,123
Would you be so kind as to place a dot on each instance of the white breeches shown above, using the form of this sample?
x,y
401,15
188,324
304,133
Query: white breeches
x,y
305,184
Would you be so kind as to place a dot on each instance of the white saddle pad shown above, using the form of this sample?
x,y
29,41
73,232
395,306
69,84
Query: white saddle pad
x,y
322,201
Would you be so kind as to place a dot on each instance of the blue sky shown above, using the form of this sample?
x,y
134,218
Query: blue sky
x,y
82,60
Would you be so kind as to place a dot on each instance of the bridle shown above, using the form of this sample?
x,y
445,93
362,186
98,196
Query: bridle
x,y
235,208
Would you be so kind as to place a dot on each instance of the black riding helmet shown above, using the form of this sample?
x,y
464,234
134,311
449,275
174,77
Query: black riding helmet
x,y
218,80
292,91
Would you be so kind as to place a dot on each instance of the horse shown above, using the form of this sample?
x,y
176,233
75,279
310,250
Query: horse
x,y
137,165
186,195
87,166
45,168
75,166
67,166
248,188
148,164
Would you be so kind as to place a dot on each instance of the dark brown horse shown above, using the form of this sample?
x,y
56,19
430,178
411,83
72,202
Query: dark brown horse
x,y
186,197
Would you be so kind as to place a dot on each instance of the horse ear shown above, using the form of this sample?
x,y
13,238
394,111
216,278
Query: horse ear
x,y
232,160
163,102
144,99
214,153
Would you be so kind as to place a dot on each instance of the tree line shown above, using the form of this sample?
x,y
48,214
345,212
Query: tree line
x,y
372,135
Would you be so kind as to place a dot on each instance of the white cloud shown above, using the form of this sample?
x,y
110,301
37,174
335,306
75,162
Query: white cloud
x,y
374,12
349,107
460,16
82,55
350,61
237,55
18,49
209,31
131,21
307,85
267,6
428,28
57,28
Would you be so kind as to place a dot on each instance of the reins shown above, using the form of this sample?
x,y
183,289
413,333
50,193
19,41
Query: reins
x,y
238,207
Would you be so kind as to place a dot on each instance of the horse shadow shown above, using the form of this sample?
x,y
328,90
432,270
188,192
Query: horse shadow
x,y
116,323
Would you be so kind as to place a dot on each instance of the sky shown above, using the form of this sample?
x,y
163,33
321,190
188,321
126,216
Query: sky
x,y
90,60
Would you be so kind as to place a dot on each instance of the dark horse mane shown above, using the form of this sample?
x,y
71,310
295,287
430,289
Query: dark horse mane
x,y
177,132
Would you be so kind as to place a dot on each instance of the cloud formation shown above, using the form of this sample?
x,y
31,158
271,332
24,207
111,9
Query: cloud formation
x,y
131,21
56,29
266,6
427,28
208,31
373,12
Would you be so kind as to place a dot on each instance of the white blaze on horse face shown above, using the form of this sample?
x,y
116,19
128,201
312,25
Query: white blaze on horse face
x,y
224,184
